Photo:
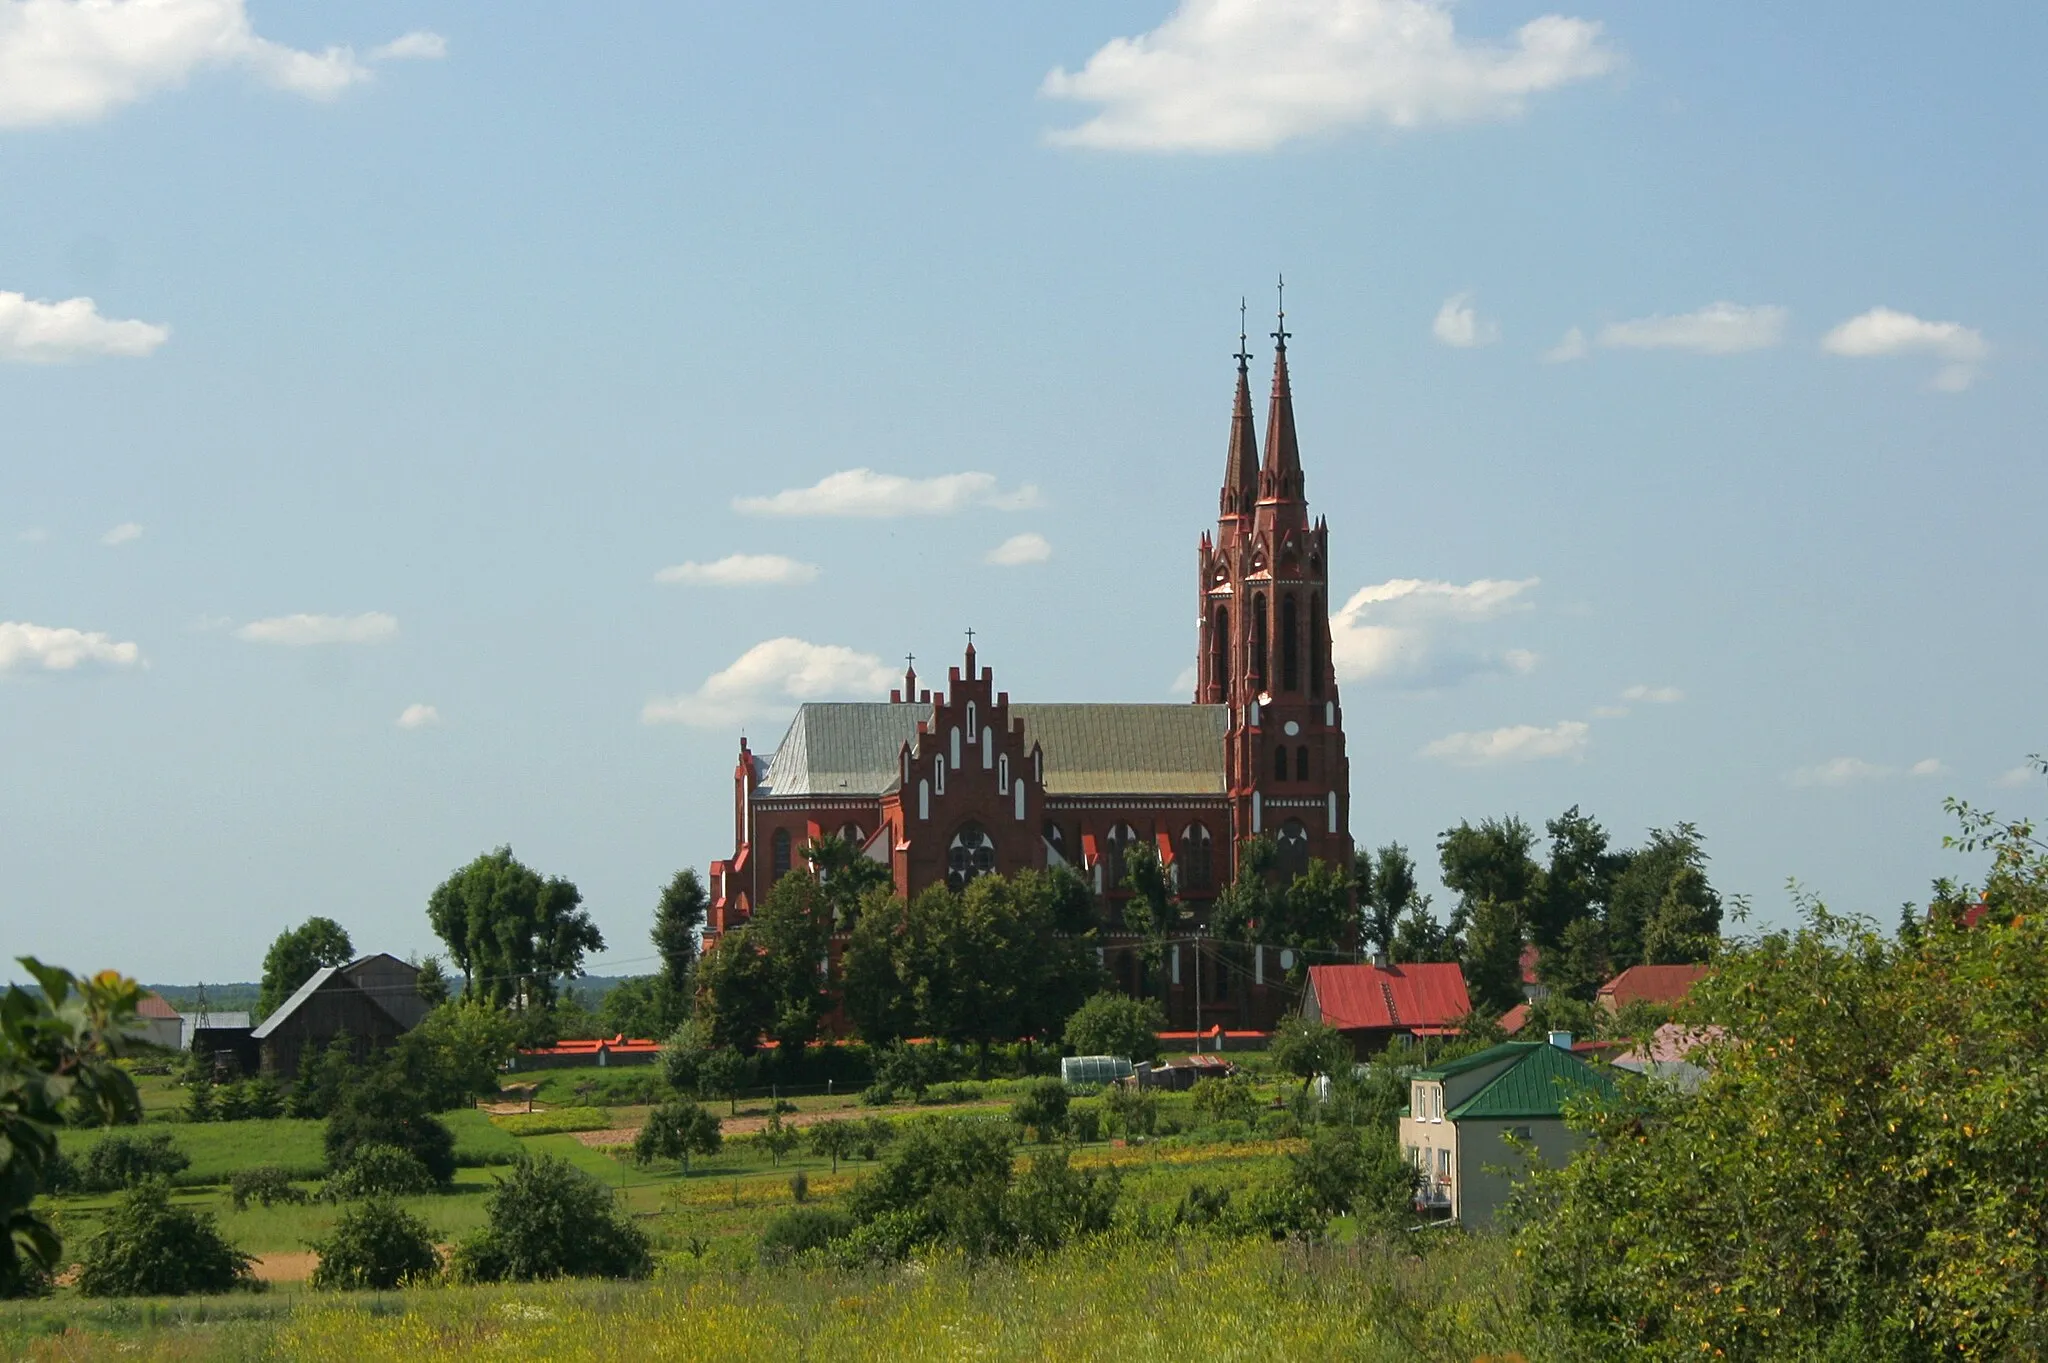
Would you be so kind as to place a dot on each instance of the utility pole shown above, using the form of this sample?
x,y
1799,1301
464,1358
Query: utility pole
x,y
1198,990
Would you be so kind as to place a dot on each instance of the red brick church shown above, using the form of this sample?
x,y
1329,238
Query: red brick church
x,y
949,785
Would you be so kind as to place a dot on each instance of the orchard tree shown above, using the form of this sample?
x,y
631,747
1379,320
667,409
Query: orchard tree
x,y
297,955
512,933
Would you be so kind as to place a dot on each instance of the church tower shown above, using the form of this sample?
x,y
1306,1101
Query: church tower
x,y
1264,639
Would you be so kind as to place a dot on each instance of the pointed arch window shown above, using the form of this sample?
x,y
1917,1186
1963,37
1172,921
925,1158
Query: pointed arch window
x,y
1290,646
1219,653
1280,763
1197,857
1318,630
780,854
939,773
1293,846
973,728
1259,643
851,833
1003,774
1301,763
1115,844
1055,839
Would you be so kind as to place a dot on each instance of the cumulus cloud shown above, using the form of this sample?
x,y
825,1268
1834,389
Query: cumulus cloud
x,y
37,332
419,45
768,677
29,648
1929,766
2012,778
1716,329
1516,743
418,717
1184,683
863,492
71,61
1418,632
742,570
1017,550
125,533
298,631
1839,771
1248,75
1884,331
1570,346
1654,695
1458,324
35,534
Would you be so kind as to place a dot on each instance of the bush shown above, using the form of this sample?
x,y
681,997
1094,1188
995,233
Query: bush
x,y
956,1093
802,1230
377,1245
548,1219
799,1187
1042,1108
1114,1024
1226,1100
908,1069
381,1110
1130,1111
266,1184
1084,1122
120,1160
677,1130
148,1248
376,1170
59,1174
877,1095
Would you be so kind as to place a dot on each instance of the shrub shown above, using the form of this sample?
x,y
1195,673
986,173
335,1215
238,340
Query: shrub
x,y
1084,1122
677,1130
956,1093
264,1099
877,1095
382,1110
799,1187
199,1101
231,1102
1042,1108
801,1230
1052,1202
267,1184
377,1170
1226,1100
59,1174
778,1138
908,1069
876,1135
1114,1024
548,1219
121,1161
148,1248
1130,1111
377,1245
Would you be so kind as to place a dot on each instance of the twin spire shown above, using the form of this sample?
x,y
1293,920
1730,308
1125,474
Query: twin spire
x,y
1246,479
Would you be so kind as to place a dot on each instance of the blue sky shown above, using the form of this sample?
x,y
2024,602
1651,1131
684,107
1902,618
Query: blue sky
x,y
1677,362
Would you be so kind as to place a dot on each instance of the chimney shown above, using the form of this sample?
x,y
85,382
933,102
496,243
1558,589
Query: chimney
x,y
1561,1040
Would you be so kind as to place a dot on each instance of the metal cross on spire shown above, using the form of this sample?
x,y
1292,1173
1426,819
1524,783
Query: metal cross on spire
x,y
970,637
1283,333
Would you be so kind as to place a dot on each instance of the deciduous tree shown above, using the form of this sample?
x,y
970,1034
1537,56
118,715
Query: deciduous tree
x,y
512,933
297,955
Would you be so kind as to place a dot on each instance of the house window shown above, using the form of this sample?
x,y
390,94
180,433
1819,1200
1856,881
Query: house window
x,y
781,852
1443,1164
970,857
1280,764
1293,846
1197,857
1519,1133
1301,763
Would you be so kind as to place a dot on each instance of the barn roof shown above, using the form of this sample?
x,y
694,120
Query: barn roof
x,y
850,748
297,1000
1402,997
154,1005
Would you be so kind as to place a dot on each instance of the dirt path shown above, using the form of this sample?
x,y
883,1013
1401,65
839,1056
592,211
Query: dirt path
x,y
290,1266
747,1126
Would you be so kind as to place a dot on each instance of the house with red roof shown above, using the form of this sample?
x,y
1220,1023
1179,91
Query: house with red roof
x,y
157,1023
1666,985
1373,1004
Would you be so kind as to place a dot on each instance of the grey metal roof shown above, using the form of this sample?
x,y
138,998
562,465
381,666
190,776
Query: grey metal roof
x,y
842,748
850,748
291,1005
1128,749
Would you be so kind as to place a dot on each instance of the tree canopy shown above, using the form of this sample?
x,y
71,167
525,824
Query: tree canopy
x,y
678,918
512,933
297,955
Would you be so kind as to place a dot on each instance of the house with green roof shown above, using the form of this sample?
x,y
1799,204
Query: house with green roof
x,y
1462,1116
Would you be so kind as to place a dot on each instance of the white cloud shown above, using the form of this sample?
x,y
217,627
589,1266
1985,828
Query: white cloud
x,y
1885,331
1419,633
768,677
2012,778
420,45
70,61
1929,766
1516,743
1458,324
1248,75
125,533
1716,329
1184,684
1017,550
863,492
742,570
371,627
1610,712
25,647
36,332
418,717
1838,771
1654,695
1570,346
35,534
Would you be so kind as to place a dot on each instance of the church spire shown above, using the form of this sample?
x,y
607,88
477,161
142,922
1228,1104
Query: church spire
x,y
1241,468
1281,476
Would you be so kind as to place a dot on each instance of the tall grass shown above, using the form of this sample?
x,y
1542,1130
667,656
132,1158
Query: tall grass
x,y
1196,1301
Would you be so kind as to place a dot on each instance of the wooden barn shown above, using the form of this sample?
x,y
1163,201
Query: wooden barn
x,y
373,1000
